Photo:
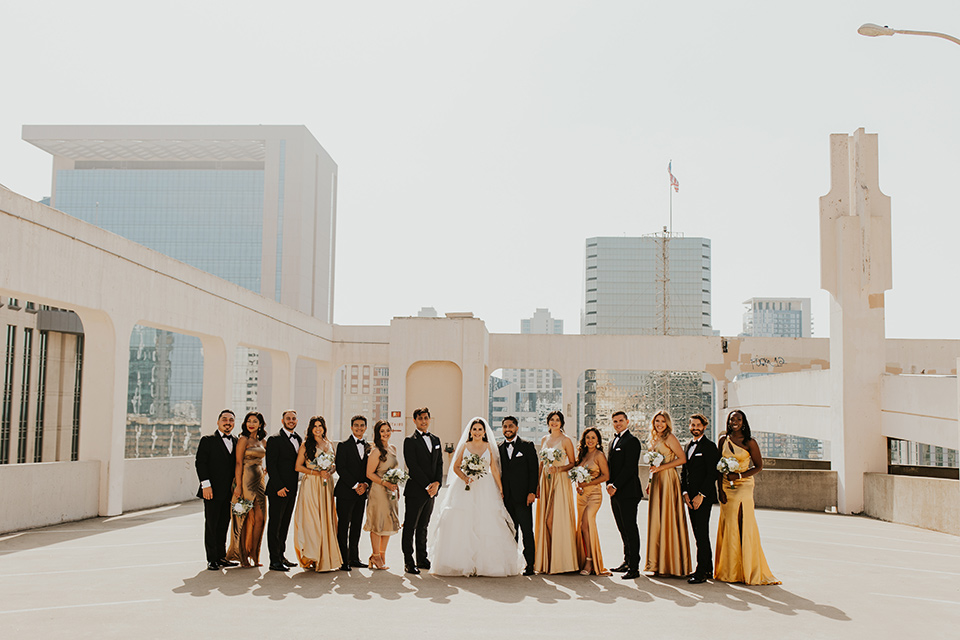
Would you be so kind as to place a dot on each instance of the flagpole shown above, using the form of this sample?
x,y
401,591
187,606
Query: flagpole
x,y
670,189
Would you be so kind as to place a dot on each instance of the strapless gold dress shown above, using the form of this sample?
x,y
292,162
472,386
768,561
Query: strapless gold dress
x,y
556,529
247,529
668,544
739,556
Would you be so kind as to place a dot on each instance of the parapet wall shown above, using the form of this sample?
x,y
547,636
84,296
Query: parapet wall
x,y
41,494
930,503
151,482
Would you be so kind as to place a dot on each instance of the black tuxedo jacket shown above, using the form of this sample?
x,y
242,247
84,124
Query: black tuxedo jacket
x,y
624,462
281,464
519,475
216,464
699,474
351,468
425,467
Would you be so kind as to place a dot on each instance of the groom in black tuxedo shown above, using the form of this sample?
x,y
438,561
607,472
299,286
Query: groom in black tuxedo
x,y
282,479
351,492
625,493
422,455
698,482
519,476
215,469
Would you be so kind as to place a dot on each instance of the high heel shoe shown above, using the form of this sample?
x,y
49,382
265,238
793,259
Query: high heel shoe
x,y
585,571
376,562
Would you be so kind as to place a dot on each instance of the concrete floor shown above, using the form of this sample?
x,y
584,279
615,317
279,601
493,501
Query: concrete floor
x,y
143,574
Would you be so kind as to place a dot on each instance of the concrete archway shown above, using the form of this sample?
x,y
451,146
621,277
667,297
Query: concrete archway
x,y
438,385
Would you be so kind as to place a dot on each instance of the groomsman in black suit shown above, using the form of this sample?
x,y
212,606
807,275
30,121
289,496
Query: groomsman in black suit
x,y
698,479
215,468
625,493
351,492
422,455
519,477
282,478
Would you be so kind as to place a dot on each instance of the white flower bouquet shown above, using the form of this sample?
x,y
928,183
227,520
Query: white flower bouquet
x,y
653,458
323,462
473,466
727,466
395,476
580,474
241,506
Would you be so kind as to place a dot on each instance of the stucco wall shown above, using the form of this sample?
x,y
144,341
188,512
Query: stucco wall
x,y
150,482
797,489
931,503
66,491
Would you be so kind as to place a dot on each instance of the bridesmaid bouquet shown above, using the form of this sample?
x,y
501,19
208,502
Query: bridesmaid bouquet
x,y
549,455
579,474
395,476
653,458
727,466
473,466
323,462
241,506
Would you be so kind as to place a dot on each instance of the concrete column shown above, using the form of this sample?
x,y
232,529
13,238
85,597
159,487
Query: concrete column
x,y
855,263
219,360
103,401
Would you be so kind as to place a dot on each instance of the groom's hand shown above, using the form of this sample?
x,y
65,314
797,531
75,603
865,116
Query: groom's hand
x,y
697,501
361,488
208,493
611,490
530,498
282,493
432,489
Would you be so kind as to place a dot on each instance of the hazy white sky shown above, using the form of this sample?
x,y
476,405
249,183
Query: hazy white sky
x,y
480,143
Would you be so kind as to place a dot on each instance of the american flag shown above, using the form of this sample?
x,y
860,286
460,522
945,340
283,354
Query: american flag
x,y
673,179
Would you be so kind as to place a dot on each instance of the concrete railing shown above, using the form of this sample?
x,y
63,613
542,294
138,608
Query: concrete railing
x,y
151,482
41,494
931,503
922,408
795,403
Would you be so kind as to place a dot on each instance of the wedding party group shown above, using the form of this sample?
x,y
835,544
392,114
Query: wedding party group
x,y
485,522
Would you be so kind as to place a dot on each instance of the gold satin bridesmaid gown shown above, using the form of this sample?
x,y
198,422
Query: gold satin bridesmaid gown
x,y
383,512
556,529
247,529
588,504
668,544
315,525
739,556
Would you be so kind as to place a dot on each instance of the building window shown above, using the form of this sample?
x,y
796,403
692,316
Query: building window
x,y
75,437
24,396
41,397
7,394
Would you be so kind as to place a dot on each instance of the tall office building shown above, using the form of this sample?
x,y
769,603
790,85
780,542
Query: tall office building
x,y
254,205
652,285
777,318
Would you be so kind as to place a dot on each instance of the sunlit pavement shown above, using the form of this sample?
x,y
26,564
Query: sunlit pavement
x,y
144,575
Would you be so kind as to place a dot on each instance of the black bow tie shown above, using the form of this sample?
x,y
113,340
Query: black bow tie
x,y
225,436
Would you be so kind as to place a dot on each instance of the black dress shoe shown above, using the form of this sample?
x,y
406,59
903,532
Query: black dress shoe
x,y
278,566
528,571
213,566
358,564
410,568
287,563
424,565
345,567
630,575
696,580
623,568
227,563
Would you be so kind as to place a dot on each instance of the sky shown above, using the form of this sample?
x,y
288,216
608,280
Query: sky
x,y
480,143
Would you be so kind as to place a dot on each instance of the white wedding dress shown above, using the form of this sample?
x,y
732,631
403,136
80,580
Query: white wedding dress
x,y
474,533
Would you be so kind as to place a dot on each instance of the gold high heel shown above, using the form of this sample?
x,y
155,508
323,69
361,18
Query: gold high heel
x,y
376,562
585,571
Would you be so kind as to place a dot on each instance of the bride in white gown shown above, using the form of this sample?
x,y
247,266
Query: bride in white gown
x,y
474,535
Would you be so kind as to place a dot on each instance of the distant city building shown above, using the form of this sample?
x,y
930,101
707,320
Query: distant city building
x,y
777,318
541,322
254,205
427,312
364,390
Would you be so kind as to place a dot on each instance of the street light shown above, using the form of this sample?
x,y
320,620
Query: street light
x,y
874,30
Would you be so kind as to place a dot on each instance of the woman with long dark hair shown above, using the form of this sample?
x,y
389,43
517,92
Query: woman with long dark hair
x,y
739,555
589,497
383,516
556,524
247,523
315,520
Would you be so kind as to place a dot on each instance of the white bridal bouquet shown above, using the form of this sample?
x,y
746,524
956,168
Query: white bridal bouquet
x,y
473,466
241,506
653,458
323,462
395,476
580,474
549,455
728,465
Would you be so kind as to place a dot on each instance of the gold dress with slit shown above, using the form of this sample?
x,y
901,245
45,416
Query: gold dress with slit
x,y
556,529
383,511
668,544
315,525
247,528
739,556
588,504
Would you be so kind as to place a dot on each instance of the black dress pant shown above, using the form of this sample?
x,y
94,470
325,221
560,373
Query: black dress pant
x,y
216,523
700,522
625,515
350,509
416,519
280,512
522,515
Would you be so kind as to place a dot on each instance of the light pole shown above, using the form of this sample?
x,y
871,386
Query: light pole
x,y
873,30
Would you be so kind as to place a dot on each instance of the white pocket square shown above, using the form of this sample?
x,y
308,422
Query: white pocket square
x,y
617,449
519,455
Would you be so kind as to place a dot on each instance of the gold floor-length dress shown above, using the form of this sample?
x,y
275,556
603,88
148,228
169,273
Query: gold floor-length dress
x,y
588,504
739,556
247,528
668,544
556,529
383,515
315,525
